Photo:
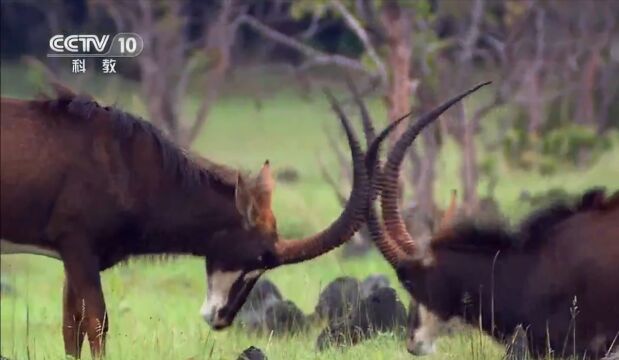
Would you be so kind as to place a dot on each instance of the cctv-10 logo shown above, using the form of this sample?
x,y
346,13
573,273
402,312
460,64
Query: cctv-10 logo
x,y
88,45
80,44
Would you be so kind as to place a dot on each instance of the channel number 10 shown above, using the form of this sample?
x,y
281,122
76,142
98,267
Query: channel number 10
x,y
127,45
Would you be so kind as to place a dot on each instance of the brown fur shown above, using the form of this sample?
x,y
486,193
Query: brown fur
x,y
97,185
531,276
557,275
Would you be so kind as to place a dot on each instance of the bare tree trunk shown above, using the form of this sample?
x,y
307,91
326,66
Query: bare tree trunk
x,y
424,187
586,112
415,164
426,174
166,66
535,106
219,43
468,165
609,95
397,24
534,77
398,28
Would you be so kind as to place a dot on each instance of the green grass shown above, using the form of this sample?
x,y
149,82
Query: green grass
x,y
153,307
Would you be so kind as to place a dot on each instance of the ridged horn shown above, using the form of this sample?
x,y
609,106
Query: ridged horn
x,y
388,248
351,218
366,119
394,224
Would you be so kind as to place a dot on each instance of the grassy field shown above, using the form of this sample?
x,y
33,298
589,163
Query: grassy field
x,y
153,307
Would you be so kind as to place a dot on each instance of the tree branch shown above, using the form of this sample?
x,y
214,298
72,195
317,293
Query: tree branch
x,y
317,57
218,39
469,41
332,183
356,27
314,25
339,154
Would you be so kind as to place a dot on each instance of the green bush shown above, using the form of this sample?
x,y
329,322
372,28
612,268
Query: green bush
x,y
569,146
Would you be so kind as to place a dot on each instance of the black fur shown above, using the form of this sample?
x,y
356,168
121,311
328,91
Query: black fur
x,y
532,232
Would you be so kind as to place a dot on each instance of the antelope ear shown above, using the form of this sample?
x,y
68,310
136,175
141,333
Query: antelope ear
x,y
243,200
264,185
450,212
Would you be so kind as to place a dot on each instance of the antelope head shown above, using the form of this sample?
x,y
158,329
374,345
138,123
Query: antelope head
x,y
414,262
255,246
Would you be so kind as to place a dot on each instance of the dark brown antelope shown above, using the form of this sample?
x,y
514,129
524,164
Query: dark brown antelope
x,y
557,275
92,186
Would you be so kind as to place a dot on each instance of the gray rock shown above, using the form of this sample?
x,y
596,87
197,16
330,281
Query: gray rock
x,y
263,293
338,299
252,313
284,317
380,312
372,283
252,353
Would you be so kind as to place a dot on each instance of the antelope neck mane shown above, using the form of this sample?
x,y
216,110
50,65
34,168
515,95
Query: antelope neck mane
x,y
532,233
189,170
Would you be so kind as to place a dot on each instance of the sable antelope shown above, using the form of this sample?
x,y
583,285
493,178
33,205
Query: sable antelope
x,y
557,275
92,186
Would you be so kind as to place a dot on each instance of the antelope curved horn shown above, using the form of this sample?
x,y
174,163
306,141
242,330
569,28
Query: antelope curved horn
x,y
353,215
394,224
389,249
366,119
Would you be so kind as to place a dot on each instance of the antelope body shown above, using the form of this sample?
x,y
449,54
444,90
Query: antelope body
x,y
92,186
557,275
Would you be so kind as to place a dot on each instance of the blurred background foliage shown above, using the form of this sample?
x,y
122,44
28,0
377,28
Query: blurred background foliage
x,y
240,81
554,103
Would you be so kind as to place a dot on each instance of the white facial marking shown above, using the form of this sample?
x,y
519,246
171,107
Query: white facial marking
x,y
8,247
423,341
218,292
252,274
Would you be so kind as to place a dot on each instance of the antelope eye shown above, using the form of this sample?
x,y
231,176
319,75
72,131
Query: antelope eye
x,y
267,259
